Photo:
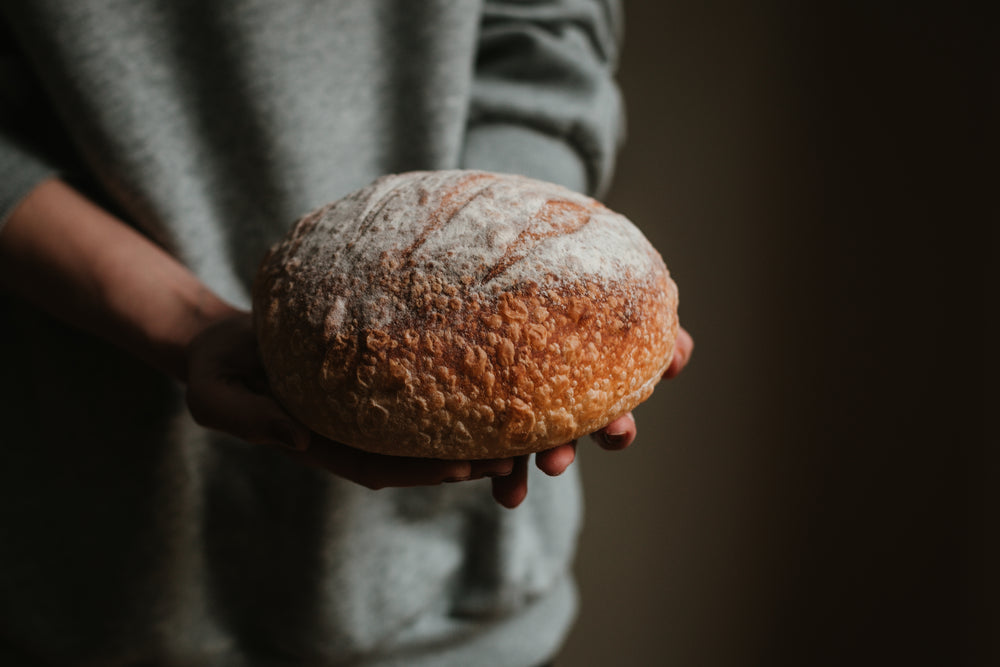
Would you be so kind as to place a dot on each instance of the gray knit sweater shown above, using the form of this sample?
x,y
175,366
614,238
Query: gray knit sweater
x,y
129,535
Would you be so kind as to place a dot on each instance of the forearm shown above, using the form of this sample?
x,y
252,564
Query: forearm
x,y
68,256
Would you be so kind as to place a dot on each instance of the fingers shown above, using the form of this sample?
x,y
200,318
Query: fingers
x,y
511,490
617,435
682,354
376,471
555,461
492,468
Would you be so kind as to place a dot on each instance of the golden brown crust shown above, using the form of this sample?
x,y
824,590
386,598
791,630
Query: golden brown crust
x,y
395,351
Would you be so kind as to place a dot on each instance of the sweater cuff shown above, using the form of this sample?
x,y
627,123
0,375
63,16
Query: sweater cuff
x,y
20,172
517,149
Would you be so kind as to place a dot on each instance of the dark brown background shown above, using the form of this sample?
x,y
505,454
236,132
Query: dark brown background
x,y
807,493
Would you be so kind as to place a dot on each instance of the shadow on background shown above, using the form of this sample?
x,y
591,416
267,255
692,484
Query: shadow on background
x,y
802,494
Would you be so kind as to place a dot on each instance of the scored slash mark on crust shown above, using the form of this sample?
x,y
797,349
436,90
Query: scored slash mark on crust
x,y
562,216
369,219
448,209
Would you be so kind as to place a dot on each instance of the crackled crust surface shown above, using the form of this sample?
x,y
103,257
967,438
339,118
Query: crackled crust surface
x,y
463,315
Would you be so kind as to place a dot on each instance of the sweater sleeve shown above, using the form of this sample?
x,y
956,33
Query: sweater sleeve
x,y
544,99
27,132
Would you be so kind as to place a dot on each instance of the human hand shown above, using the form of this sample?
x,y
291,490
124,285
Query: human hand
x,y
510,490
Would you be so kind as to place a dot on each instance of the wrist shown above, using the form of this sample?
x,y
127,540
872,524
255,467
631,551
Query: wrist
x,y
166,339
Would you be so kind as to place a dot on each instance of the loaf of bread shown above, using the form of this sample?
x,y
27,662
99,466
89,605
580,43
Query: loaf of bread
x,y
463,315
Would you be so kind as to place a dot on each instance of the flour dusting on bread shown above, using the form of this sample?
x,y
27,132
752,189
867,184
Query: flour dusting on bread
x,y
463,314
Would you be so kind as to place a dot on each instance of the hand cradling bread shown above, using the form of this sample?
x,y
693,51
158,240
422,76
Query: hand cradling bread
x,y
463,315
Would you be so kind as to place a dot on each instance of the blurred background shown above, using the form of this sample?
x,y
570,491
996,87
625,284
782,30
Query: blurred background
x,y
811,491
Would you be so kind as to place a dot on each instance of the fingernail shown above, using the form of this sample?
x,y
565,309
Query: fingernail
x,y
452,480
504,470
615,440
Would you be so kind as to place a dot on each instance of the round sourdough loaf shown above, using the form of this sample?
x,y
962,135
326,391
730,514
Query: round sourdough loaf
x,y
463,315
